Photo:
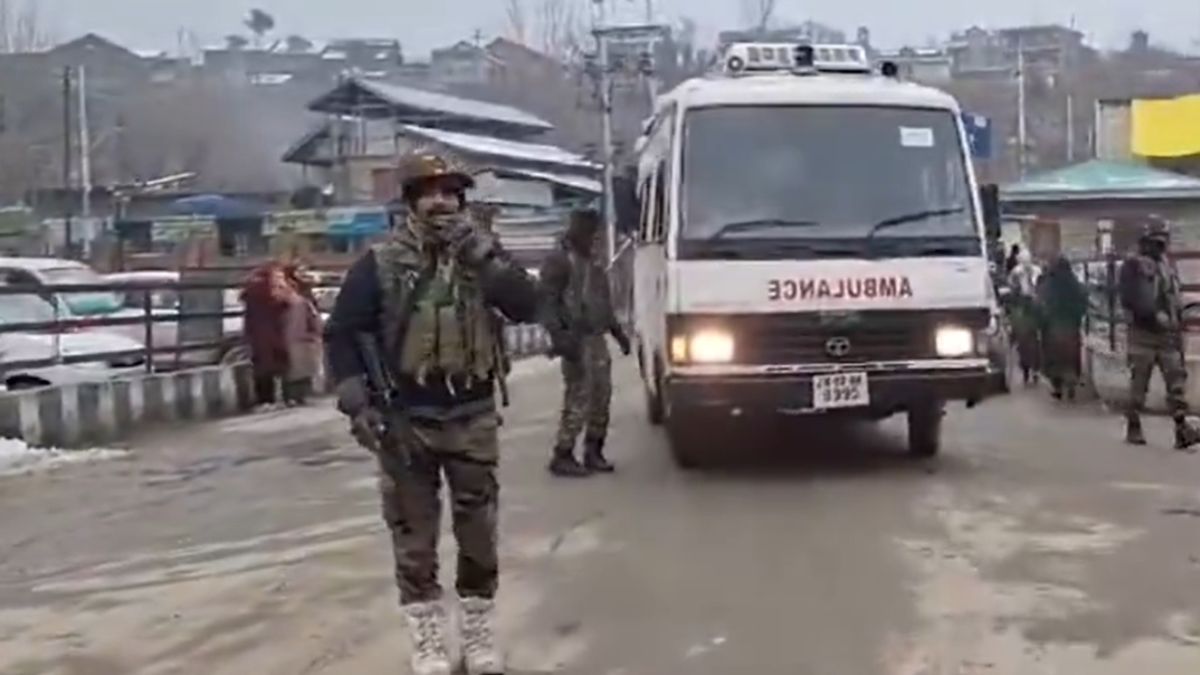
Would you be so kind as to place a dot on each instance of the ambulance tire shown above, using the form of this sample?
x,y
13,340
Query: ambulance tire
x,y
925,428
654,399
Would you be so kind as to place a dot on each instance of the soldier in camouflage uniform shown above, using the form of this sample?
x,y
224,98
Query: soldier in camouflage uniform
x,y
1151,295
578,313
428,294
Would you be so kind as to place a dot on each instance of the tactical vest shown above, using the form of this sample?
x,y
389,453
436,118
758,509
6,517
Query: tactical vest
x,y
436,323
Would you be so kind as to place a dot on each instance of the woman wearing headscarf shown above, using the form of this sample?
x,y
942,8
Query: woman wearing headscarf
x,y
1023,316
1063,301
265,298
301,336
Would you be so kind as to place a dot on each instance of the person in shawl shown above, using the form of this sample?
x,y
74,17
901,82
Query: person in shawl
x,y
1063,302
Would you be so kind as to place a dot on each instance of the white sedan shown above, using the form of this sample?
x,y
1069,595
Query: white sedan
x,y
125,354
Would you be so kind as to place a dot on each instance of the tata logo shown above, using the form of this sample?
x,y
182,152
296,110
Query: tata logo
x,y
870,288
837,346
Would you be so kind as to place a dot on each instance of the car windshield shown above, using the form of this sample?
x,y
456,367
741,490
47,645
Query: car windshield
x,y
15,309
91,302
823,172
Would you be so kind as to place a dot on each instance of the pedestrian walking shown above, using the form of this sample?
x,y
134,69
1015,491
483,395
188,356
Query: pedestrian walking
x,y
1151,296
264,297
302,337
578,314
1062,304
425,297
1023,317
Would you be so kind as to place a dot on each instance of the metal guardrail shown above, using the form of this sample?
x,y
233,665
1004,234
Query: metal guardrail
x,y
149,317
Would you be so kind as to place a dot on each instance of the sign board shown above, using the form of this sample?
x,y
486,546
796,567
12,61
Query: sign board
x,y
177,229
979,135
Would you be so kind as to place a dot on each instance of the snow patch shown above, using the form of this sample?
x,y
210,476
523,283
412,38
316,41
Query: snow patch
x,y
18,458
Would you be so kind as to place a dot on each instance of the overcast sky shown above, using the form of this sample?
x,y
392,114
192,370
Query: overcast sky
x,y
422,24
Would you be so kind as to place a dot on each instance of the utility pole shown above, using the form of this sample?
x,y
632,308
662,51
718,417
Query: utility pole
x,y
1021,124
85,148
610,220
68,202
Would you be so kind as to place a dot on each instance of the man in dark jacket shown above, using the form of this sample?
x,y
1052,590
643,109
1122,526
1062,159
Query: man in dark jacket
x,y
1152,298
578,313
428,296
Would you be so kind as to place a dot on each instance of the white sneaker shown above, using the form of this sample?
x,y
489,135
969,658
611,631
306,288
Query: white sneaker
x,y
477,626
426,626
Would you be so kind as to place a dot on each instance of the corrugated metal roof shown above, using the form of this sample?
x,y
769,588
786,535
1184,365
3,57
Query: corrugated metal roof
x,y
581,183
424,102
1098,179
497,147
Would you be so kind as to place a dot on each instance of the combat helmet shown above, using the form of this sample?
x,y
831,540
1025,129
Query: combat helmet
x,y
424,164
1156,229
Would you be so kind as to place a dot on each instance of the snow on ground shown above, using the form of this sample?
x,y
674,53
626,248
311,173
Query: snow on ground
x,y
17,458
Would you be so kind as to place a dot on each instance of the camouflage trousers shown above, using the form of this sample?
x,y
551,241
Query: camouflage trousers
x,y
587,392
1147,350
465,452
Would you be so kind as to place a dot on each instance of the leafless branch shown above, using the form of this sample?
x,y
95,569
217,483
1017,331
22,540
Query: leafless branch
x,y
759,13
517,25
21,27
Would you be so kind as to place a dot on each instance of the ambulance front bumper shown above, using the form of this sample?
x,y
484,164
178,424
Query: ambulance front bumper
x,y
791,389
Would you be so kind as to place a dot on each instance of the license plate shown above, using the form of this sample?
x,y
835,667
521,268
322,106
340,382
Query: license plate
x,y
841,390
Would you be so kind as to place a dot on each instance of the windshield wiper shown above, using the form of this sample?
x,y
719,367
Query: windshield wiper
x,y
759,224
914,217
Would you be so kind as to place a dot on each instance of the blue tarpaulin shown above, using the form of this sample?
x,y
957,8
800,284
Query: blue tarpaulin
x,y
215,206
979,135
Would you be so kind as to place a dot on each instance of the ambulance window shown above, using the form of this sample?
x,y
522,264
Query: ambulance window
x,y
660,202
644,203
754,55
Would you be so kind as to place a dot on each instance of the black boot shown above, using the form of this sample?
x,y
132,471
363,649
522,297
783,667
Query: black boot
x,y
1186,436
564,464
1133,430
593,456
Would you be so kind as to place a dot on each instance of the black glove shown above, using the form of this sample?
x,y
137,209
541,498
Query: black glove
x,y
622,339
366,427
470,245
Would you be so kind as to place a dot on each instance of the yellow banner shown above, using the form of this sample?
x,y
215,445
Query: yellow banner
x,y
1166,128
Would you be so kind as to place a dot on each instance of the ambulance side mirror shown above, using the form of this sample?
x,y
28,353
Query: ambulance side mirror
x,y
989,201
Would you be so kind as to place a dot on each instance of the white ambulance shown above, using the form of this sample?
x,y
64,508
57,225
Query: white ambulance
x,y
811,242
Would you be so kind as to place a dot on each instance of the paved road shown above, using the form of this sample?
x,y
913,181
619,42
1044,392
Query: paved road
x,y
1036,545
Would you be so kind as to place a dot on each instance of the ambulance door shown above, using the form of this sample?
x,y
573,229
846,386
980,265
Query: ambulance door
x,y
651,263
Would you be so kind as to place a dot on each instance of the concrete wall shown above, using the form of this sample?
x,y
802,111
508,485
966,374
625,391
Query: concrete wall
x,y
81,415
85,415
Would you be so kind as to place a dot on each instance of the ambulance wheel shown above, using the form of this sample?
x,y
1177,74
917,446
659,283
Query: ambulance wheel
x,y
654,401
925,428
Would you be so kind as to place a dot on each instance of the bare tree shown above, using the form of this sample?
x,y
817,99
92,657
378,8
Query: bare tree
x,y
21,27
518,27
759,13
260,23
560,24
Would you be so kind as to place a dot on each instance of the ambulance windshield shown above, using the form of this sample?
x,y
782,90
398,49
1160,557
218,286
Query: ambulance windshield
x,y
824,173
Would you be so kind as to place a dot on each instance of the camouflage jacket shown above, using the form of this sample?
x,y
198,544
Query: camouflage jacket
x,y
576,298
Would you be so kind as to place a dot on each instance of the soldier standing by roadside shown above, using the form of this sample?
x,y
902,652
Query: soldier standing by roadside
x,y
578,313
1151,295
426,298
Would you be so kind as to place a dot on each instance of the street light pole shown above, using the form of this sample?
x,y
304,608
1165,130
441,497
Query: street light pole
x,y
69,200
610,222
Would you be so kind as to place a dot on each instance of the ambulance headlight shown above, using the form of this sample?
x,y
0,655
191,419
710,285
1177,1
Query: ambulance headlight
x,y
702,346
954,341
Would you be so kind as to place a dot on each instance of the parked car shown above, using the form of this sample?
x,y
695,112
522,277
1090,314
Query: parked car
x,y
125,355
54,271
167,303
